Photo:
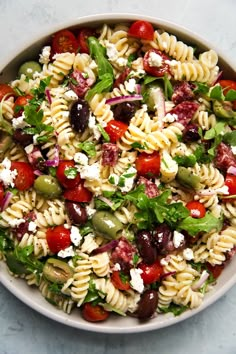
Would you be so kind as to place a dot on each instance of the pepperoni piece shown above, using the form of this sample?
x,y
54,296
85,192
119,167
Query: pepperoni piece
x,y
123,254
182,92
151,189
79,83
224,157
185,111
110,154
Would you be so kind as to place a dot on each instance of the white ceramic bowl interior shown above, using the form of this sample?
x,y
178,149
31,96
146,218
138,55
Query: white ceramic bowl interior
x,y
32,297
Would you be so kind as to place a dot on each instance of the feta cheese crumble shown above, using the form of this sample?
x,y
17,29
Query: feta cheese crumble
x,y
75,235
136,281
15,222
32,226
154,59
112,52
170,118
7,176
19,123
29,148
188,254
93,126
116,267
70,95
90,172
81,158
90,211
178,239
128,181
67,252
44,58
130,85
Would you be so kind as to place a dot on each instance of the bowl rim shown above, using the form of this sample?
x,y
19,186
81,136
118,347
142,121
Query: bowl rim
x,y
6,279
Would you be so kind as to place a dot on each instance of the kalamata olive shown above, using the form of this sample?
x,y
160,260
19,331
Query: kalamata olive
x,y
146,249
79,115
125,111
57,271
162,238
106,224
22,138
147,304
191,133
48,186
77,213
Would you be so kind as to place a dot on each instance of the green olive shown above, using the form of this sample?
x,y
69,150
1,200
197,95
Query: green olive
x,y
223,110
106,224
5,142
14,265
57,271
187,178
48,186
29,68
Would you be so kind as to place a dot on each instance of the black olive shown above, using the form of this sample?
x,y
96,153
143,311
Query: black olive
x,y
146,249
125,111
162,238
147,304
22,138
79,115
77,214
191,133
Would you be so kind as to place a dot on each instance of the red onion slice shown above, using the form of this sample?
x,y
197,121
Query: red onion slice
x,y
6,200
121,99
55,161
217,78
138,89
38,173
204,276
232,170
107,247
167,274
47,92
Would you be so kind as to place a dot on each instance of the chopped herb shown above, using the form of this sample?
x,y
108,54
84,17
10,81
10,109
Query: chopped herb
x,y
104,133
230,138
135,259
186,161
39,92
55,288
34,118
52,171
71,172
230,95
137,145
131,58
201,88
193,226
174,308
104,85
88,147
216,92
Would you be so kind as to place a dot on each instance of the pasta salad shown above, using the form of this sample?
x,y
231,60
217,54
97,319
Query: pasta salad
x,y
118,172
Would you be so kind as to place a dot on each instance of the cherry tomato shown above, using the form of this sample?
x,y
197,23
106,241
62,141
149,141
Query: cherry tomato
x,y
83,35
58,238
197,209
230,182
66,182
64,41
115,129
19,104
215,270
148,165
6,90
94,313
1,193
228,85
155,70
121,283
141,29
25,175
151,272
78,194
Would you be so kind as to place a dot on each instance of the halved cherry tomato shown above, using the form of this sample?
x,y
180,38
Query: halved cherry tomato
x,y
151,272
58,238
141,29
148,165
228,85
197,209
215,270
6,90
156,70
230,182
64,41
66,165
78,194
120,282
83,35
19,104
115,129
94,313
25,175
1,193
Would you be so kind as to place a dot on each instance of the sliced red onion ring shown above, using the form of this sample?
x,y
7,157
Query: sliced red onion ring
x,y
49,97
138,89
121,99
204,276
6,201
55,161
167,274
38,173
217,78
105,248
232,170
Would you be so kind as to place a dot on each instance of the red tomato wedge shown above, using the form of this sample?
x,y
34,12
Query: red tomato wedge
x,y
58,238
6,90
155,70
64,41
64,167
230,182
148,165
82,37
19,104
25,175
197,209
94,313
228,85
78,194
115,129
141,29
151,272
120,282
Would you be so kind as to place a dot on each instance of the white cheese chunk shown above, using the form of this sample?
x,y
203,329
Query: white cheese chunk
x,y
44,58
170,118
70,95
121,62
188,254
136,281
29,148
112,52
15,222
75,235
154,59
233,148
81,158
130,85
128,181
178,239
32,226
90,211
67,252
90,172
116,267
19,123
6,175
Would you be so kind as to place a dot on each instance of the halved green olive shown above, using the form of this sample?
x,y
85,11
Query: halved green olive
x,y
187,178
14,265
106,224
223,110
57,271
29,68
48,186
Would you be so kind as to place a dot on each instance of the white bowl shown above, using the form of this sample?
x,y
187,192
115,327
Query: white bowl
x,y
32,297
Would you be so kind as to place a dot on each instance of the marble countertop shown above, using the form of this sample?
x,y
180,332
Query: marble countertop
x,y
22,330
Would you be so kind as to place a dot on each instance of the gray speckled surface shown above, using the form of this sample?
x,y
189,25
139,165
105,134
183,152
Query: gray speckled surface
x,y
24,331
